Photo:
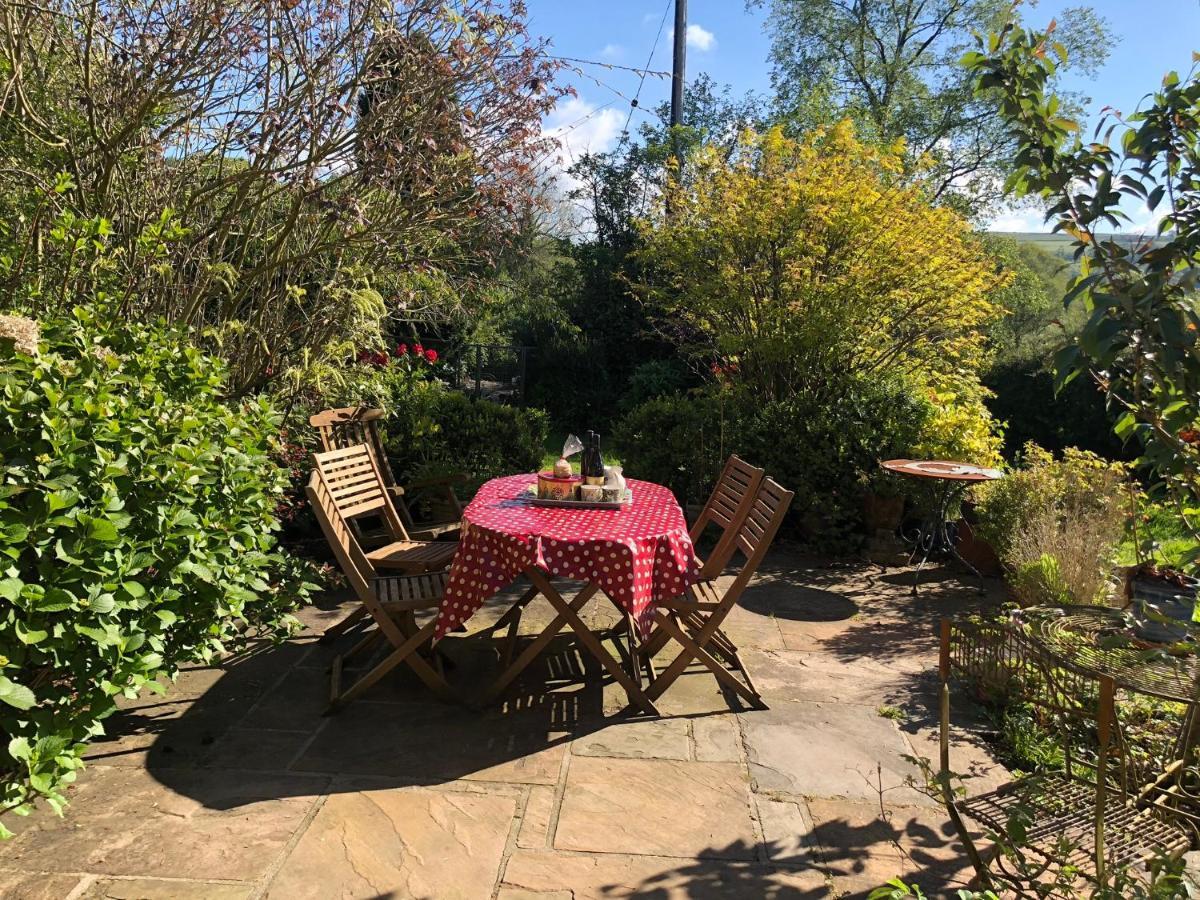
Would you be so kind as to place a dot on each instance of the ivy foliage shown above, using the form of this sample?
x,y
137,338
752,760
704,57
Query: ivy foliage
x,y
137,520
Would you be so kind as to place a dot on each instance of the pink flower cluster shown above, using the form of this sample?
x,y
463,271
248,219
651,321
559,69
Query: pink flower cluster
x,y
381,358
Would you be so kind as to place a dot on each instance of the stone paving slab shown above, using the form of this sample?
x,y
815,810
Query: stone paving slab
x,y
235,786
162,889
402,842
829,750
657,807
605,876
658,739
15,885
204,824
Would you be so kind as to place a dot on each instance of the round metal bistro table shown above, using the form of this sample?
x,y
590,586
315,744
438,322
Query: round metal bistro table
x,y
937,535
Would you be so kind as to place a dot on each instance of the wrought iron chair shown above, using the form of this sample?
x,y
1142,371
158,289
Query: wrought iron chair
x,y
353,425
1105,806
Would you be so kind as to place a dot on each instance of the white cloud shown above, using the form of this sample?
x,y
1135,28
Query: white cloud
x,y
612,51
1028,220
579,126
699,38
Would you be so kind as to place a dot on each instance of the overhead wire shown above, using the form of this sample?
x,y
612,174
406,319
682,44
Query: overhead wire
x,y
633,104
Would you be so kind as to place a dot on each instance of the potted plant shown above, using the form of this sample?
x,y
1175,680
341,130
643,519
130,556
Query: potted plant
x,y
1162,601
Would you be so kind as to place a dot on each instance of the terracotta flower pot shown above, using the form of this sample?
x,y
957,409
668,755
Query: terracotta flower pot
x,y
882,513
977,551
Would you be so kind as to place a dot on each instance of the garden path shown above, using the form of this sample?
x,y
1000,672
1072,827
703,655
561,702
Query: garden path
x,y
233,786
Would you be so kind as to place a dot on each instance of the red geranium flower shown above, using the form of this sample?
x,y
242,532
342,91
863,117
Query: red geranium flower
x,y
418,350
401,349
431,355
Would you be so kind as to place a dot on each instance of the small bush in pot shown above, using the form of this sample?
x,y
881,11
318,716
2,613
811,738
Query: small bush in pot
x,y
1056,524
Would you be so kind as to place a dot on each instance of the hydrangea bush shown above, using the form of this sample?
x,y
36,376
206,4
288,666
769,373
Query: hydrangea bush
x,y
137,521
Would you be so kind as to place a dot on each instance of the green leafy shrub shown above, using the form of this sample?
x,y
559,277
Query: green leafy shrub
x,y
825,446
656,378
438,431
680,442
137,514
1023,396
1041,481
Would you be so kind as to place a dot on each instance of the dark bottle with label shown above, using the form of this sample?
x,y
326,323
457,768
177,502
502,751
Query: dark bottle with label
x,y
591,466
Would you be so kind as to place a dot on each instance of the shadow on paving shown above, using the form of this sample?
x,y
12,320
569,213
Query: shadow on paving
x,y
261,713
865,857
220,733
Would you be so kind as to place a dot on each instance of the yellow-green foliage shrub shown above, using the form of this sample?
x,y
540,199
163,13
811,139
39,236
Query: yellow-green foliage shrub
x,y
1055,524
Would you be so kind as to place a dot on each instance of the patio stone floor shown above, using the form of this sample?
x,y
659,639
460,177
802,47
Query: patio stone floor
x,y
234,786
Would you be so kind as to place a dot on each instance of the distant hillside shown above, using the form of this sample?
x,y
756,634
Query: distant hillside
x,y
1061,245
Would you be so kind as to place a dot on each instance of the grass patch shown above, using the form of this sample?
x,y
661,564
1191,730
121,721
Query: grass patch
x,y
554,445
1170,542
895,713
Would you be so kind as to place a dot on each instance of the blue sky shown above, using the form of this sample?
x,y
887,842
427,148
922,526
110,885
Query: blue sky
x,y
729,44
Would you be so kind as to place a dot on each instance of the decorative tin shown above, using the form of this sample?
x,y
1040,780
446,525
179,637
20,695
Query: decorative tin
x,y
550,487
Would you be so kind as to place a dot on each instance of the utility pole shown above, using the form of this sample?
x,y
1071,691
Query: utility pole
x,y
679,65
678,68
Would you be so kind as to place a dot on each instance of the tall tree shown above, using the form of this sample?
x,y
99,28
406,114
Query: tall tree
x,y
266,172
892,66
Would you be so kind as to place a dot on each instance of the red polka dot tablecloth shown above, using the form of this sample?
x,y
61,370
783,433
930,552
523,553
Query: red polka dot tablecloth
x,y
636,555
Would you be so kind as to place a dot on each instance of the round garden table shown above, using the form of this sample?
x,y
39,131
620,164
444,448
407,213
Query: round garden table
x,y
938,533
636,555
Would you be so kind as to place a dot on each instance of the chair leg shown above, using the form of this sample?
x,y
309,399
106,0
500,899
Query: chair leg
x,y
653,644
691,650
365,644
405,653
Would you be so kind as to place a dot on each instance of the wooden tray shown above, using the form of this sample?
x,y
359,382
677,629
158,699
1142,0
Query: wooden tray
x,y
532,497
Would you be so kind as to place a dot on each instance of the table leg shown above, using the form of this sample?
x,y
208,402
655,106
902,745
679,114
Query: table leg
x,y
568,611
530,653
938,535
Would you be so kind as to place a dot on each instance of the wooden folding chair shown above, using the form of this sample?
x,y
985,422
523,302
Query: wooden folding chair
x,y
352,425
356,488
726,508
694,620
391,600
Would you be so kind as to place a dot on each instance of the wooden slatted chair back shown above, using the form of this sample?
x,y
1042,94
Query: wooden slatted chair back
x,y
727,506
357,488
349,426
340,536
757,532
